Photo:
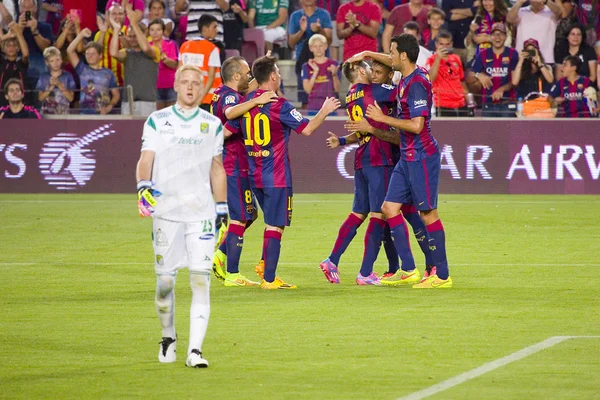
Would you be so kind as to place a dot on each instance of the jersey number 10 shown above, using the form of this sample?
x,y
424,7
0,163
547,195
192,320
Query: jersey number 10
x,y
258,129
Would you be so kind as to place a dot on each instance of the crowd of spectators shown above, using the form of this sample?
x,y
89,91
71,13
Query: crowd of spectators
x,y
73,56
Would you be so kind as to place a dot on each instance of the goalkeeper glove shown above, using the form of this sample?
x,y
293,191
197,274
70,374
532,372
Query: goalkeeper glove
x,y
222,215
146,198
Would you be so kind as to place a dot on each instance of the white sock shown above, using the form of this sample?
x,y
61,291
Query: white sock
x,y
165,304
200,309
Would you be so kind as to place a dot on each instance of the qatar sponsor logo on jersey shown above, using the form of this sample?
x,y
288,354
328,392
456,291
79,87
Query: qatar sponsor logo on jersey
x,y
497,72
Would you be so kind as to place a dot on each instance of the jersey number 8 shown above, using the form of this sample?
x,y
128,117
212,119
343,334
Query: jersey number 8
x,y
258,129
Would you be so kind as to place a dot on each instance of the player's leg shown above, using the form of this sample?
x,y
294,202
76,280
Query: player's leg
x,y
388,243
360,210
411,214
399,193
241,210
426,200
277,207
377,182
169,252
199,241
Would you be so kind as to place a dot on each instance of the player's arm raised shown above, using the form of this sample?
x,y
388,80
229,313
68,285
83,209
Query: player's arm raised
x,y
413,125
329,105
363,126
381,57
242,108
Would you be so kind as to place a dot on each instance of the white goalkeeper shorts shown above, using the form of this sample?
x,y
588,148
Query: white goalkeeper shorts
x,y
182,244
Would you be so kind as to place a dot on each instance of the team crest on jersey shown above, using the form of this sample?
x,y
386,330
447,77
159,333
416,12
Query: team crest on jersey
x,y
204,127
229,99
160,260
250,209
505,60
297,116
580,86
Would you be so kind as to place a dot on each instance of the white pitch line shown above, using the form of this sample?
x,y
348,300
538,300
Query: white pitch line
x,y
485,368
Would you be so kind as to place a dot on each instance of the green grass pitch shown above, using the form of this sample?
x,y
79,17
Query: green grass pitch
x,y
78,318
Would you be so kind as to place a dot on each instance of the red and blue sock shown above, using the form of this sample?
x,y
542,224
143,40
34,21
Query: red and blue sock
x,y
373,239
345,235
437,244
234,241
390,250
399,232
414,219
271,250
223,245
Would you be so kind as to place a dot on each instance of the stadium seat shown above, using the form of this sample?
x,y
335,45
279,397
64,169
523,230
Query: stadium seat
x,y
253,46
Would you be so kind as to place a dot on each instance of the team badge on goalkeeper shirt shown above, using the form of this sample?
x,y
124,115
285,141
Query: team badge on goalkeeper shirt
x,y
161,239
204,127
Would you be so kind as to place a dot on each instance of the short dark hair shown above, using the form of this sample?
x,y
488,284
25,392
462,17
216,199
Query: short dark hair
x,y
412,26
573,60
205,21
157,21
262,68
161,2
407,43
94,45
436,11
350,70
13,81
230,67
376,63
443,34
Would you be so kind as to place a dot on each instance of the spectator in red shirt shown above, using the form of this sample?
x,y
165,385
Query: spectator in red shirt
x,y
358,23
414,10
448,79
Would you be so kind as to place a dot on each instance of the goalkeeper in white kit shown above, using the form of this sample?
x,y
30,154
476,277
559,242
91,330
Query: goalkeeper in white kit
x,y
179,171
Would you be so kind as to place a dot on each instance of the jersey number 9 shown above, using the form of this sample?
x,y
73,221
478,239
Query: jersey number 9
x,y
258,129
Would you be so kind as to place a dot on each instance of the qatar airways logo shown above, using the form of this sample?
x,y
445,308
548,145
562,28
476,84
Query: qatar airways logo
x,y
497,72
562,159
67,162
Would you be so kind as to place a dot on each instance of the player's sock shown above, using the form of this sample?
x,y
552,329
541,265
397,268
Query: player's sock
x,y
235,242
223,247
414,219
437,244
271,250
345,235
390,250
165,304
399,232
200,309
373,238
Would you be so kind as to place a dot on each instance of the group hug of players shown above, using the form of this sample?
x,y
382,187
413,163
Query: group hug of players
x,y
397,167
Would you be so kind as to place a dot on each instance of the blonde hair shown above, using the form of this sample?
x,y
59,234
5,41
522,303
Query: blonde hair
x,y
187,67
317,37
51,52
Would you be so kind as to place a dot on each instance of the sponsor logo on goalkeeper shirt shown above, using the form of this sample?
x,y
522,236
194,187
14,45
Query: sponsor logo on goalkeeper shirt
x,y
66,160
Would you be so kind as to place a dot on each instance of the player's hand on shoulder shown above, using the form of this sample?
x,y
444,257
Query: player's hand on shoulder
x,y
146,198
267,97
330,104
332,141
222,215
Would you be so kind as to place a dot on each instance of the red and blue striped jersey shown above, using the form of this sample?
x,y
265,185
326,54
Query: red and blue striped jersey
x,y
574,105
235,160
266,131
415,99
499,67
372,151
